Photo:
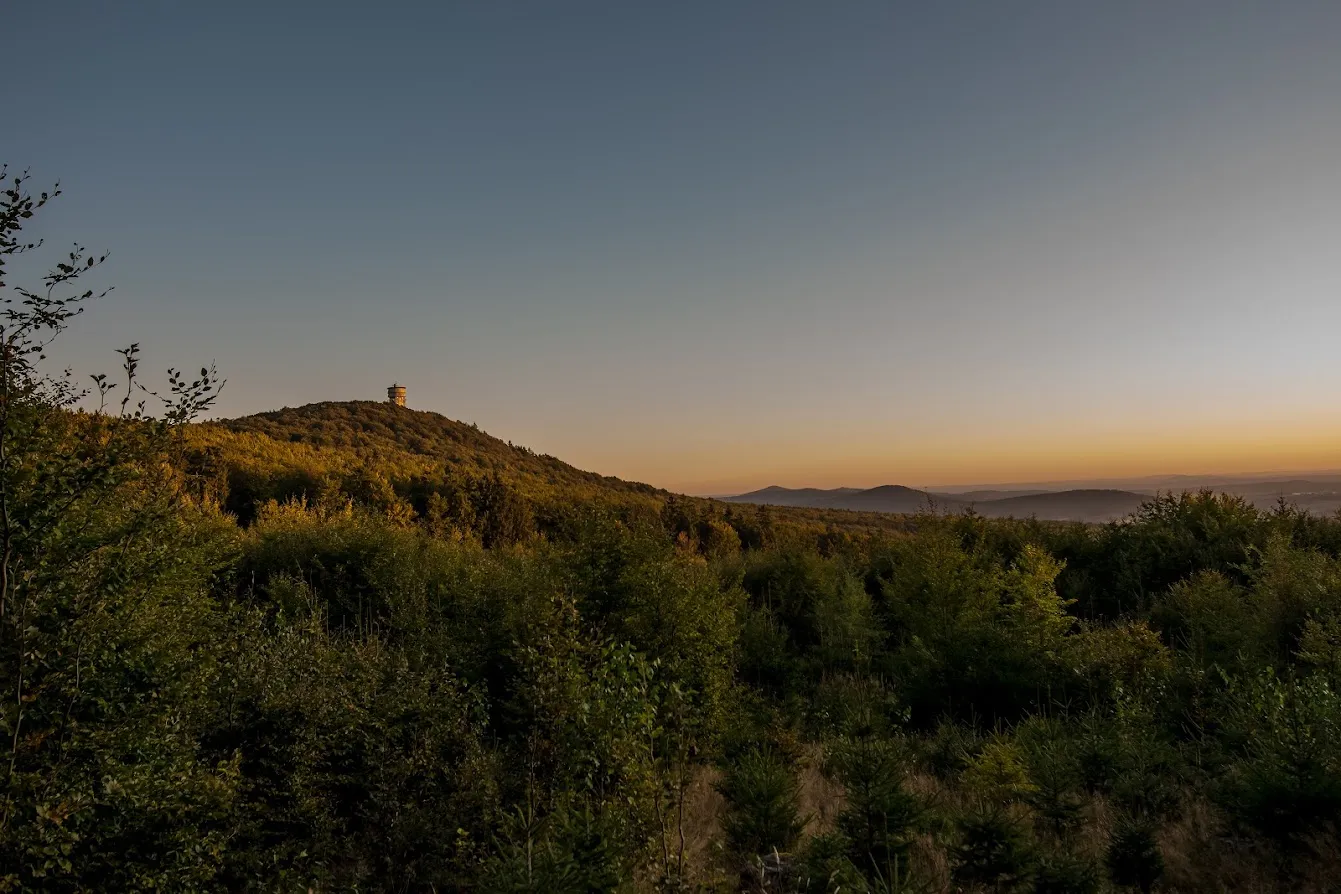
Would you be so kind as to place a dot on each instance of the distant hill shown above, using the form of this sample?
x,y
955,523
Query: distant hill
x,y
1068,505
1319,497
887,498
979,496
1088,504
803,497
897,498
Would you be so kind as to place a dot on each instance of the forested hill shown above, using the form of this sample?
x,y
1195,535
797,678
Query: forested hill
x,y
454,479
381,431
373,451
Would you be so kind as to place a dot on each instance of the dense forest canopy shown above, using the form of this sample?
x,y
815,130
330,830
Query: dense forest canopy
x,y
357,647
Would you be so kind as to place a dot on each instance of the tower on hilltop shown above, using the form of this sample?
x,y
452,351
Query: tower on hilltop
x,y
396,395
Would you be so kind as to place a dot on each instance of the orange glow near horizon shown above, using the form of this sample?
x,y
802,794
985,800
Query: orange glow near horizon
x,y
1050,454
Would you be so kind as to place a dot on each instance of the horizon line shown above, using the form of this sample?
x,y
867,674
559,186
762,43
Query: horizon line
x,y
1262,477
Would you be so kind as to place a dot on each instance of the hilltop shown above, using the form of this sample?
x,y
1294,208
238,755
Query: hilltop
x,y
379,432
365,447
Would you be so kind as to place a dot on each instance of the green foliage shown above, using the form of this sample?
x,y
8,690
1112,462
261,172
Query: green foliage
x,y
993,850
1320,646
998,772
976,636
1172,538
1067,874
854,705
104,619
766,658
951,748
1049,750
1133,858
280,455
1208,620
881,816
1288,588
350,763
763,804
696,525
571,850
1287,780
1112,659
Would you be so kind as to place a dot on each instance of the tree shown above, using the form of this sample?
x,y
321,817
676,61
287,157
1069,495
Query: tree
x,y
103,613
763,804
881,817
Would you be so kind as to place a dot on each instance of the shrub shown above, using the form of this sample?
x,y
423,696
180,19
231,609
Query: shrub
x,y
1288,779
763,804
1133,857
998,772
1067,874
853,705
1049,752
993,850
881,816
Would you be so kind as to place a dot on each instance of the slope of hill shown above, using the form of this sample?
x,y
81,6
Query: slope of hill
x,y
363,446
380,431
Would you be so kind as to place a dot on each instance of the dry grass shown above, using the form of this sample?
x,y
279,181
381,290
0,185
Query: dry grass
x,y
1323,869
822,798
1202,854
703,810
1090,839
930,863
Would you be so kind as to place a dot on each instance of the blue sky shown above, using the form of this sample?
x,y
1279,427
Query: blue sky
x,y
716,245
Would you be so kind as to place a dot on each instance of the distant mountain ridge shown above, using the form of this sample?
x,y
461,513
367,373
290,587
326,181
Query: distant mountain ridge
x,y
1070,505
1089,504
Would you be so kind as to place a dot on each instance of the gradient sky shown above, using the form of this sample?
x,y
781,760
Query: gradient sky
x,y
717,245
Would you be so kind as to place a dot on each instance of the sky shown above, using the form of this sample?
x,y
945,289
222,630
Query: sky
x,y
716,244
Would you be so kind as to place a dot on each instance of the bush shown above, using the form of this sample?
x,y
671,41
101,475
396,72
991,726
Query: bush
x,y
953,746
763,805
1133,857
1049,752
1287,781
998,772
993,850
853,705
570,850
881,816
1067,874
